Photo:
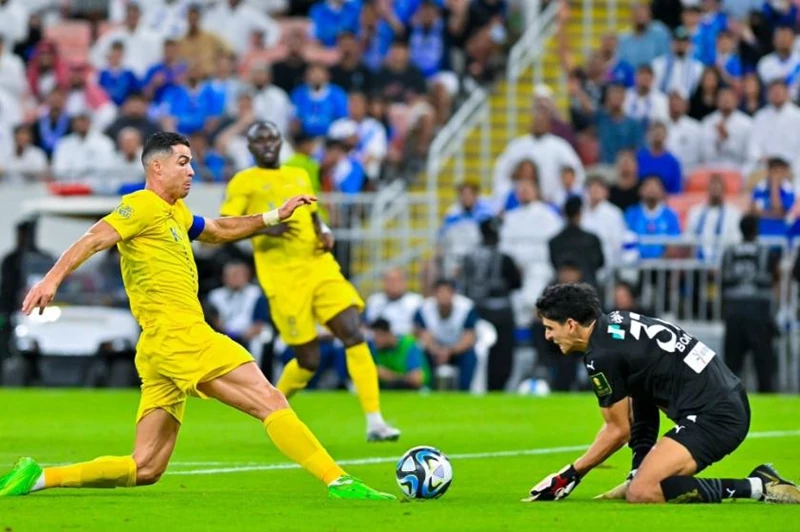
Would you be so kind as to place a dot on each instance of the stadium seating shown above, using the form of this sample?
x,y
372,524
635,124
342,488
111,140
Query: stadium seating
x,y
698,180
73,38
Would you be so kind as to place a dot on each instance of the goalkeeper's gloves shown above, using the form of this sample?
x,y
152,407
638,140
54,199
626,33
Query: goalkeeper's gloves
x,y
619,492
556,486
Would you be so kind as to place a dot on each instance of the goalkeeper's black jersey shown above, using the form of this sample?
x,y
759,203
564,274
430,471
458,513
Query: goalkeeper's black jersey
x,y
630,355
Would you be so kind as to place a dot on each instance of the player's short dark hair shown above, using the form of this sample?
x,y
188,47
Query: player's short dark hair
x,y
748,225
444,281
381,324
561,302
572,207
161,143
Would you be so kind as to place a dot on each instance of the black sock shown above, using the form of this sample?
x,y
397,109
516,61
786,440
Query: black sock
x,y
692,489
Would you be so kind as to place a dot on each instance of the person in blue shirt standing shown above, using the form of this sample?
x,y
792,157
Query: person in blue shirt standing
x,y
317,102
164,76
615,130
773,198
426,43
118,81
332,17
656,160
652,217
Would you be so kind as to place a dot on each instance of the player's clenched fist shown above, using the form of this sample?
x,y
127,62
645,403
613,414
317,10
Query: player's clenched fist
x,y
40,295
287,209
556,486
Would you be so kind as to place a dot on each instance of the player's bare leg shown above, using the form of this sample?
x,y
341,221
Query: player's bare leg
x,y
667,459
156,435
246,389
300,369
346,326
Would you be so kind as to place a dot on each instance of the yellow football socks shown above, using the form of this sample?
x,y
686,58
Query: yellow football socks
x,y
293,379
293,439
103,472
362,370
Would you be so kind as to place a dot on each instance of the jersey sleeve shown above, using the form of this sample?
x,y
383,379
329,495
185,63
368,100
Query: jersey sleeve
x,y
236,197
606,376
194,225
131,217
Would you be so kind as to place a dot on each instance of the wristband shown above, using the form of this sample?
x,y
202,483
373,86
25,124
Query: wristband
x,y
271,218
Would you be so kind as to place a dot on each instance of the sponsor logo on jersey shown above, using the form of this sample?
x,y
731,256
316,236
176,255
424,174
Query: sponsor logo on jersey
x,y
600,384
125,211
616,332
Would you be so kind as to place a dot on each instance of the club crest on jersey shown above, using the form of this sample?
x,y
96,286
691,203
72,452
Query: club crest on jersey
x,y
616,332
600,384
125,211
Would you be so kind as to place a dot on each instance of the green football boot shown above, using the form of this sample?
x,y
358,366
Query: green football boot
x,y
348,487
21,479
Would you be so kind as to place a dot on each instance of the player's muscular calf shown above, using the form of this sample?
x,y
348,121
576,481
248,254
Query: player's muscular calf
x,y
307,355
346,326
156,435
667,459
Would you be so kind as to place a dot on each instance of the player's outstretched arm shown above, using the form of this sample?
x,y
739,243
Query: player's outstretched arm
x,y
230,229
99,237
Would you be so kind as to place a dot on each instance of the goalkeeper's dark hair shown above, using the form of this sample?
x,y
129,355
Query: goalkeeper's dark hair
x,y
161,143
569,301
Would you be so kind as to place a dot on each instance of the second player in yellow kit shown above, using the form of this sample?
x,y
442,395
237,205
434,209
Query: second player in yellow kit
x,y
301,278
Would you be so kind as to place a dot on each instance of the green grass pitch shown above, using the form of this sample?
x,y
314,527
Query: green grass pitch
x,y
522,439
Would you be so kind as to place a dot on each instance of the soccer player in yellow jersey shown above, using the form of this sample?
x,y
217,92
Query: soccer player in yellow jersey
x,y
178,354
301,278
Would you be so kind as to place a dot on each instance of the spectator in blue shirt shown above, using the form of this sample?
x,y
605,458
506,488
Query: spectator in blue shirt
x,y
208,165
317,102
427,45
470,207
332,17
162,77
727,59
712,23
648,40
656,160
652,217
773,197
376,36
190,106
615,130
616,69
445,326
341,170
118,81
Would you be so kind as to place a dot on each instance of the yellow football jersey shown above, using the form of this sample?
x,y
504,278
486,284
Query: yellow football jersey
x,y
256,190
158,266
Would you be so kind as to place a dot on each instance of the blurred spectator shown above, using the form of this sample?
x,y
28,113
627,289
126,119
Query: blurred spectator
x,y
269,101
445,326
679,70
330,18
395,304
485,36
683,133
775,128
208,165
350,73
133,114
652,217
625,299
753,98
459,232
625,192
46,70
615,130
727,59
290,73
318,103
647,40
644,102
488,277
526,169
304,148
118,81
773,197
755,38
524,236
715,223
726,134
750,275
167,18
163,76
25,48
570,188
236,20
783,63
189,106
712,23
226,84
401,365
12,72
10,116
604,219
53,123
376,35
143,47
549,152
577,245
614,67
368,136
83,154
340,170
655,160
241,306
544,101
84,94
127,163
198,45
399,81
25,162
13,21
704,99
585,90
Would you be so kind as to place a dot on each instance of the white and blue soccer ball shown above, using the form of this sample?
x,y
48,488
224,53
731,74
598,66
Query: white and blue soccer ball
x,y
535,387
424,473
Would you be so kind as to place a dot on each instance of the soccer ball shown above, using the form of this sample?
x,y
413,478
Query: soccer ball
x,y
424,473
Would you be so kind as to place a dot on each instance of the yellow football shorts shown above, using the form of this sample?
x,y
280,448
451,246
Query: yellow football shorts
x,y
172,360
299,300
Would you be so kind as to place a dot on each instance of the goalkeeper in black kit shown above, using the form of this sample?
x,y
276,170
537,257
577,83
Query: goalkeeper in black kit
x,y
638,365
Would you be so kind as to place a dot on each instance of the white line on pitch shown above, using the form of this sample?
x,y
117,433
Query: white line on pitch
x,y
462,456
